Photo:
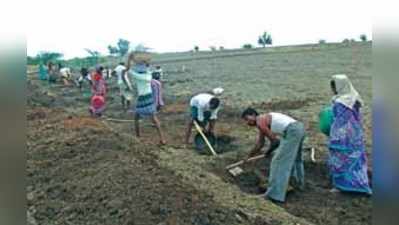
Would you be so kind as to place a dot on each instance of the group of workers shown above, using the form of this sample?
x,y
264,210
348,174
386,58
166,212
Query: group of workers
x,y
347,153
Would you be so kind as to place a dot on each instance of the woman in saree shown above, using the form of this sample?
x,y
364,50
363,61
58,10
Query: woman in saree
x,y
348,158
99,89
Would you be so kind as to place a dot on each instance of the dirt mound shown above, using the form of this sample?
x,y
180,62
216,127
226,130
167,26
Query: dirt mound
x,y
74,177
285,104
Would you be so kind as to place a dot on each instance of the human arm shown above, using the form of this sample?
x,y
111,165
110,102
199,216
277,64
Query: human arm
x,y
126,80
200,116
211,126
260,142
214,114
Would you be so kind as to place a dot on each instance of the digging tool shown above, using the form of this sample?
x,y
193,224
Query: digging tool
x,y
234,168
204,137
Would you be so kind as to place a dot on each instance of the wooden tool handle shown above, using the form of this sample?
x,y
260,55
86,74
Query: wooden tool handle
x,y
243,161
204,137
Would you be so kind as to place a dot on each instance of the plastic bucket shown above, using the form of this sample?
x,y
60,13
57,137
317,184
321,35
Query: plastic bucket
x,y
325,120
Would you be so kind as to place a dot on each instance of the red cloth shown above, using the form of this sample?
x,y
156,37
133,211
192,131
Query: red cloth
x,y
97,105
99,87
97,101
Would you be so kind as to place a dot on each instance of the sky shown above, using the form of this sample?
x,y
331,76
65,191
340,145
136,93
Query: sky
x,y
70,26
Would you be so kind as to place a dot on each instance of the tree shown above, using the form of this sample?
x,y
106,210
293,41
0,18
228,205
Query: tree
x,y
113,50
322,41
363,37
123,46
45,57
196,48
265,39
221,48
94,55
213,48
247,46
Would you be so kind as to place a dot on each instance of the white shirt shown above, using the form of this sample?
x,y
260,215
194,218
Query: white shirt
x,y
201,102
119,70
280,122
65,72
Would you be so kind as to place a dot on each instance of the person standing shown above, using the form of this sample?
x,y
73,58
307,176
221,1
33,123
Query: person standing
x,y
124,86
43,72
348,159
66,74
52,73
138,69
99,91
286,136
156,87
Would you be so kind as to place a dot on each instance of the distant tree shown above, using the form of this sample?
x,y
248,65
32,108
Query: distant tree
x,y
113,50
265,39
196,48
94,55
353,40
221,48
213,48
48,56
123,46
322,41
346,41
363,37
247,46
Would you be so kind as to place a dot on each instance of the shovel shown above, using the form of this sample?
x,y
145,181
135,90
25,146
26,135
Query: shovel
x,y
204,137
234,168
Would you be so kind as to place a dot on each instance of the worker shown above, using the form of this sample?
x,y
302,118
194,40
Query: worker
x,y
204,108
156,87
52,73
125,87
66,74
138,69
347,151
286,136
99,90
84,77
43,72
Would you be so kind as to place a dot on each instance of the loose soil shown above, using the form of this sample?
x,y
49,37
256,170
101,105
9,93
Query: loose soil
x,y
82,170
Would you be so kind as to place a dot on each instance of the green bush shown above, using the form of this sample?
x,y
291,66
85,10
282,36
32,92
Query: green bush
x,y
363,37
247,46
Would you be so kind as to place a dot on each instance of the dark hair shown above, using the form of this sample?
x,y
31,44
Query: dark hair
x,y
122,63
333,86
99,69
332,83
214,103
158,67
156,75
84,71
249,112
